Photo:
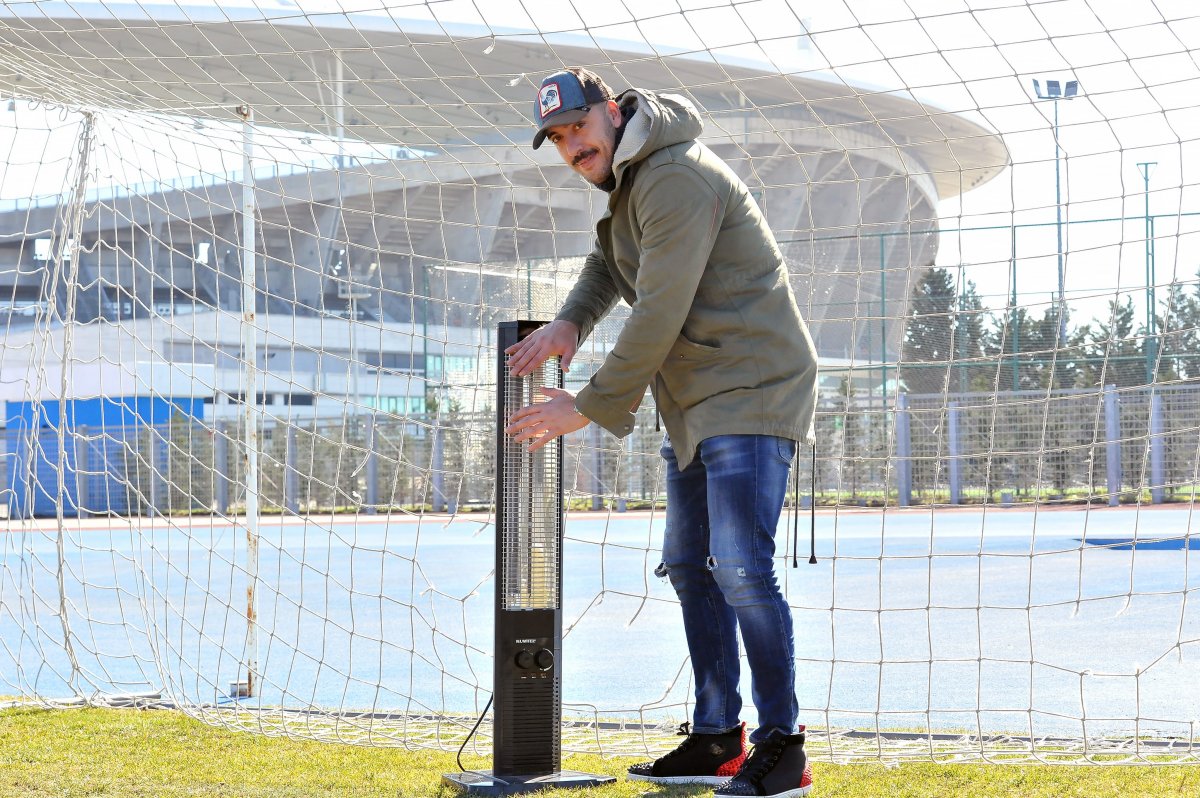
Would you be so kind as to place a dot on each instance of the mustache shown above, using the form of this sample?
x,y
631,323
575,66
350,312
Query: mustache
x,y
581,156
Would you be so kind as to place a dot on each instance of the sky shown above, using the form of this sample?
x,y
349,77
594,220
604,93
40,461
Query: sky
x,y
1136,60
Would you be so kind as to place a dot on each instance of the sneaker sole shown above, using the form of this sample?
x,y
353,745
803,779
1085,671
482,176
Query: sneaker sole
x,y
799,792
711,780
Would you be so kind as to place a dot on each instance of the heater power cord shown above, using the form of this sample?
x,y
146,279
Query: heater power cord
x,y
471,734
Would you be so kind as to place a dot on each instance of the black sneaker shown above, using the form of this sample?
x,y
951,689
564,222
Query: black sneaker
x,y
699,759
776,768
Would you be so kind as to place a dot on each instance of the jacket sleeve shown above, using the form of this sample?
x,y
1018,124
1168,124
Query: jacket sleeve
x,y
680,216
592,297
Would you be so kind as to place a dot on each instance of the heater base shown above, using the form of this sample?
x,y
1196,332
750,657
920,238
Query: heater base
x,y
482,782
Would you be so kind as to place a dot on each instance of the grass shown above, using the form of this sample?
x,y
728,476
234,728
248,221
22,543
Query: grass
x,y
105,752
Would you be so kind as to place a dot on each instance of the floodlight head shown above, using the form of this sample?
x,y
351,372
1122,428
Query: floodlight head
x,y
1056,90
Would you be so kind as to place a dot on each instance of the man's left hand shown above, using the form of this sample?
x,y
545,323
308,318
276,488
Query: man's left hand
x,y
542,422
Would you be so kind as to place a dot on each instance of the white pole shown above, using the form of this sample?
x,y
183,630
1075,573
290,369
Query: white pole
x,y
250,396
339,107
339,114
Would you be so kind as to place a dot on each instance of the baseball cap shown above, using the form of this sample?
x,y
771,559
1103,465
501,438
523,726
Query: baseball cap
x,y
566,97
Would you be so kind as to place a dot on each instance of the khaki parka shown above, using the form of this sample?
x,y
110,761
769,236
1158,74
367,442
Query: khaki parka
x,y
714,328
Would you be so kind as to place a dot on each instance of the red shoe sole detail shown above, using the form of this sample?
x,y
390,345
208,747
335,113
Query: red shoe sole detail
x,y
806,776
731,767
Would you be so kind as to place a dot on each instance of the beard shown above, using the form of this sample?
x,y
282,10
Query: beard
x,y
615,133
608,176
607,184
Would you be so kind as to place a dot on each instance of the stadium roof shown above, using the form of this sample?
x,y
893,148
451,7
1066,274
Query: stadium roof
x,y
419,83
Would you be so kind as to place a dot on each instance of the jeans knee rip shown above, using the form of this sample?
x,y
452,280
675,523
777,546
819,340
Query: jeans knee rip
x,y
711,563
661,570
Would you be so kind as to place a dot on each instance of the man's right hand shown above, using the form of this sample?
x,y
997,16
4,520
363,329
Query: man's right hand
x,y
559,337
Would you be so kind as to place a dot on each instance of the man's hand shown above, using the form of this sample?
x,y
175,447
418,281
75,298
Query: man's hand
x,y
559,337
542,422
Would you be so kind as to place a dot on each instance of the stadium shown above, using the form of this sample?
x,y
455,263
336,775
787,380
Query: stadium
x,y
256,258
828,162
388,259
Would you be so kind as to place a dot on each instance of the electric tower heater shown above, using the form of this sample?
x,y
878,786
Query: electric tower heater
x,y
527,676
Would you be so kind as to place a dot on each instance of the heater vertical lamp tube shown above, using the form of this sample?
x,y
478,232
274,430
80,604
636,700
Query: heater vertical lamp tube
x,y
531,529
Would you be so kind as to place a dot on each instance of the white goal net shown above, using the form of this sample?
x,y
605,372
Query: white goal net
x,y
252,259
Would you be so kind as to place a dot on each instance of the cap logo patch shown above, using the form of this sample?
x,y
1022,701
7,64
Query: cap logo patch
x,y
549,99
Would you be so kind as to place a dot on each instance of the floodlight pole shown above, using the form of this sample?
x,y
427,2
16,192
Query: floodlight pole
x,y
1014,325
1053,94
960,328
1146,167
1062,279
249,687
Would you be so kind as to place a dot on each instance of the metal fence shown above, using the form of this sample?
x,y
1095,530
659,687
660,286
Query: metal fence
x,y
1102,445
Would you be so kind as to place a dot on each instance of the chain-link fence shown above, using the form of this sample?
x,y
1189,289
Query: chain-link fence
x,y
1105,445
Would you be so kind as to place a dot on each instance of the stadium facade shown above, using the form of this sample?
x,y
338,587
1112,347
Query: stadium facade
x,y
380,277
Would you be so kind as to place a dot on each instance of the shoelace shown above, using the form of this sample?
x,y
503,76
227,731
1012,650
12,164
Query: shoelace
x,y
760,761
684,730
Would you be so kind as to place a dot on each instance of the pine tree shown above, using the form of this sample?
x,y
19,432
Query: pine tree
x,y
971,343
1008,342
1179,336
1116,349
1087,370
1033,343
928,333
1057,367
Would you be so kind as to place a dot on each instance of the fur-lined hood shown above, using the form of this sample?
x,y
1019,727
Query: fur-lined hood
x,y
660,120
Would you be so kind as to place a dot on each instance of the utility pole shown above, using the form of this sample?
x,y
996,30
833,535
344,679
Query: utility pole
x,y
1151,347
1055,91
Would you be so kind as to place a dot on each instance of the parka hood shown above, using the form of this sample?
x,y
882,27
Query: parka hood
x,y
660,120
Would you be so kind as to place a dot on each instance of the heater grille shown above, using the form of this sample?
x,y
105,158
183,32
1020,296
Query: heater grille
x,y
530,533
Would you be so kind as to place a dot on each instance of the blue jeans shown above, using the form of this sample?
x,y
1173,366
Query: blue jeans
x,y
722,512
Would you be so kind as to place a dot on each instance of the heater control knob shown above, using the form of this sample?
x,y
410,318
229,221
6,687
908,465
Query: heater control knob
x,y
525,660
545,659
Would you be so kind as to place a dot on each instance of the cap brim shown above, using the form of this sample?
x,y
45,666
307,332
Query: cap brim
x,y
561,118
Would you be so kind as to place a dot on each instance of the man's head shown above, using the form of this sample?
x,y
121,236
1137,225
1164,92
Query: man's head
x,y
575,110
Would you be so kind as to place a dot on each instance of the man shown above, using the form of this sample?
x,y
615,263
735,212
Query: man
x,y
715,332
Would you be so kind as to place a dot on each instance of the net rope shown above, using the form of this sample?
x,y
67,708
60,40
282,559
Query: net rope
x,y
1000,280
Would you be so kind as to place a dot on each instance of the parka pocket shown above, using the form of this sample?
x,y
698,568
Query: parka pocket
x,y
684,349
691,372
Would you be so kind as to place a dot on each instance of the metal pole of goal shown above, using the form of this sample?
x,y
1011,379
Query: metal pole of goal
x,y
248,686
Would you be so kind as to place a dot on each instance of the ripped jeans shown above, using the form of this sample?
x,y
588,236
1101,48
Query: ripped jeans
x,y
722,512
